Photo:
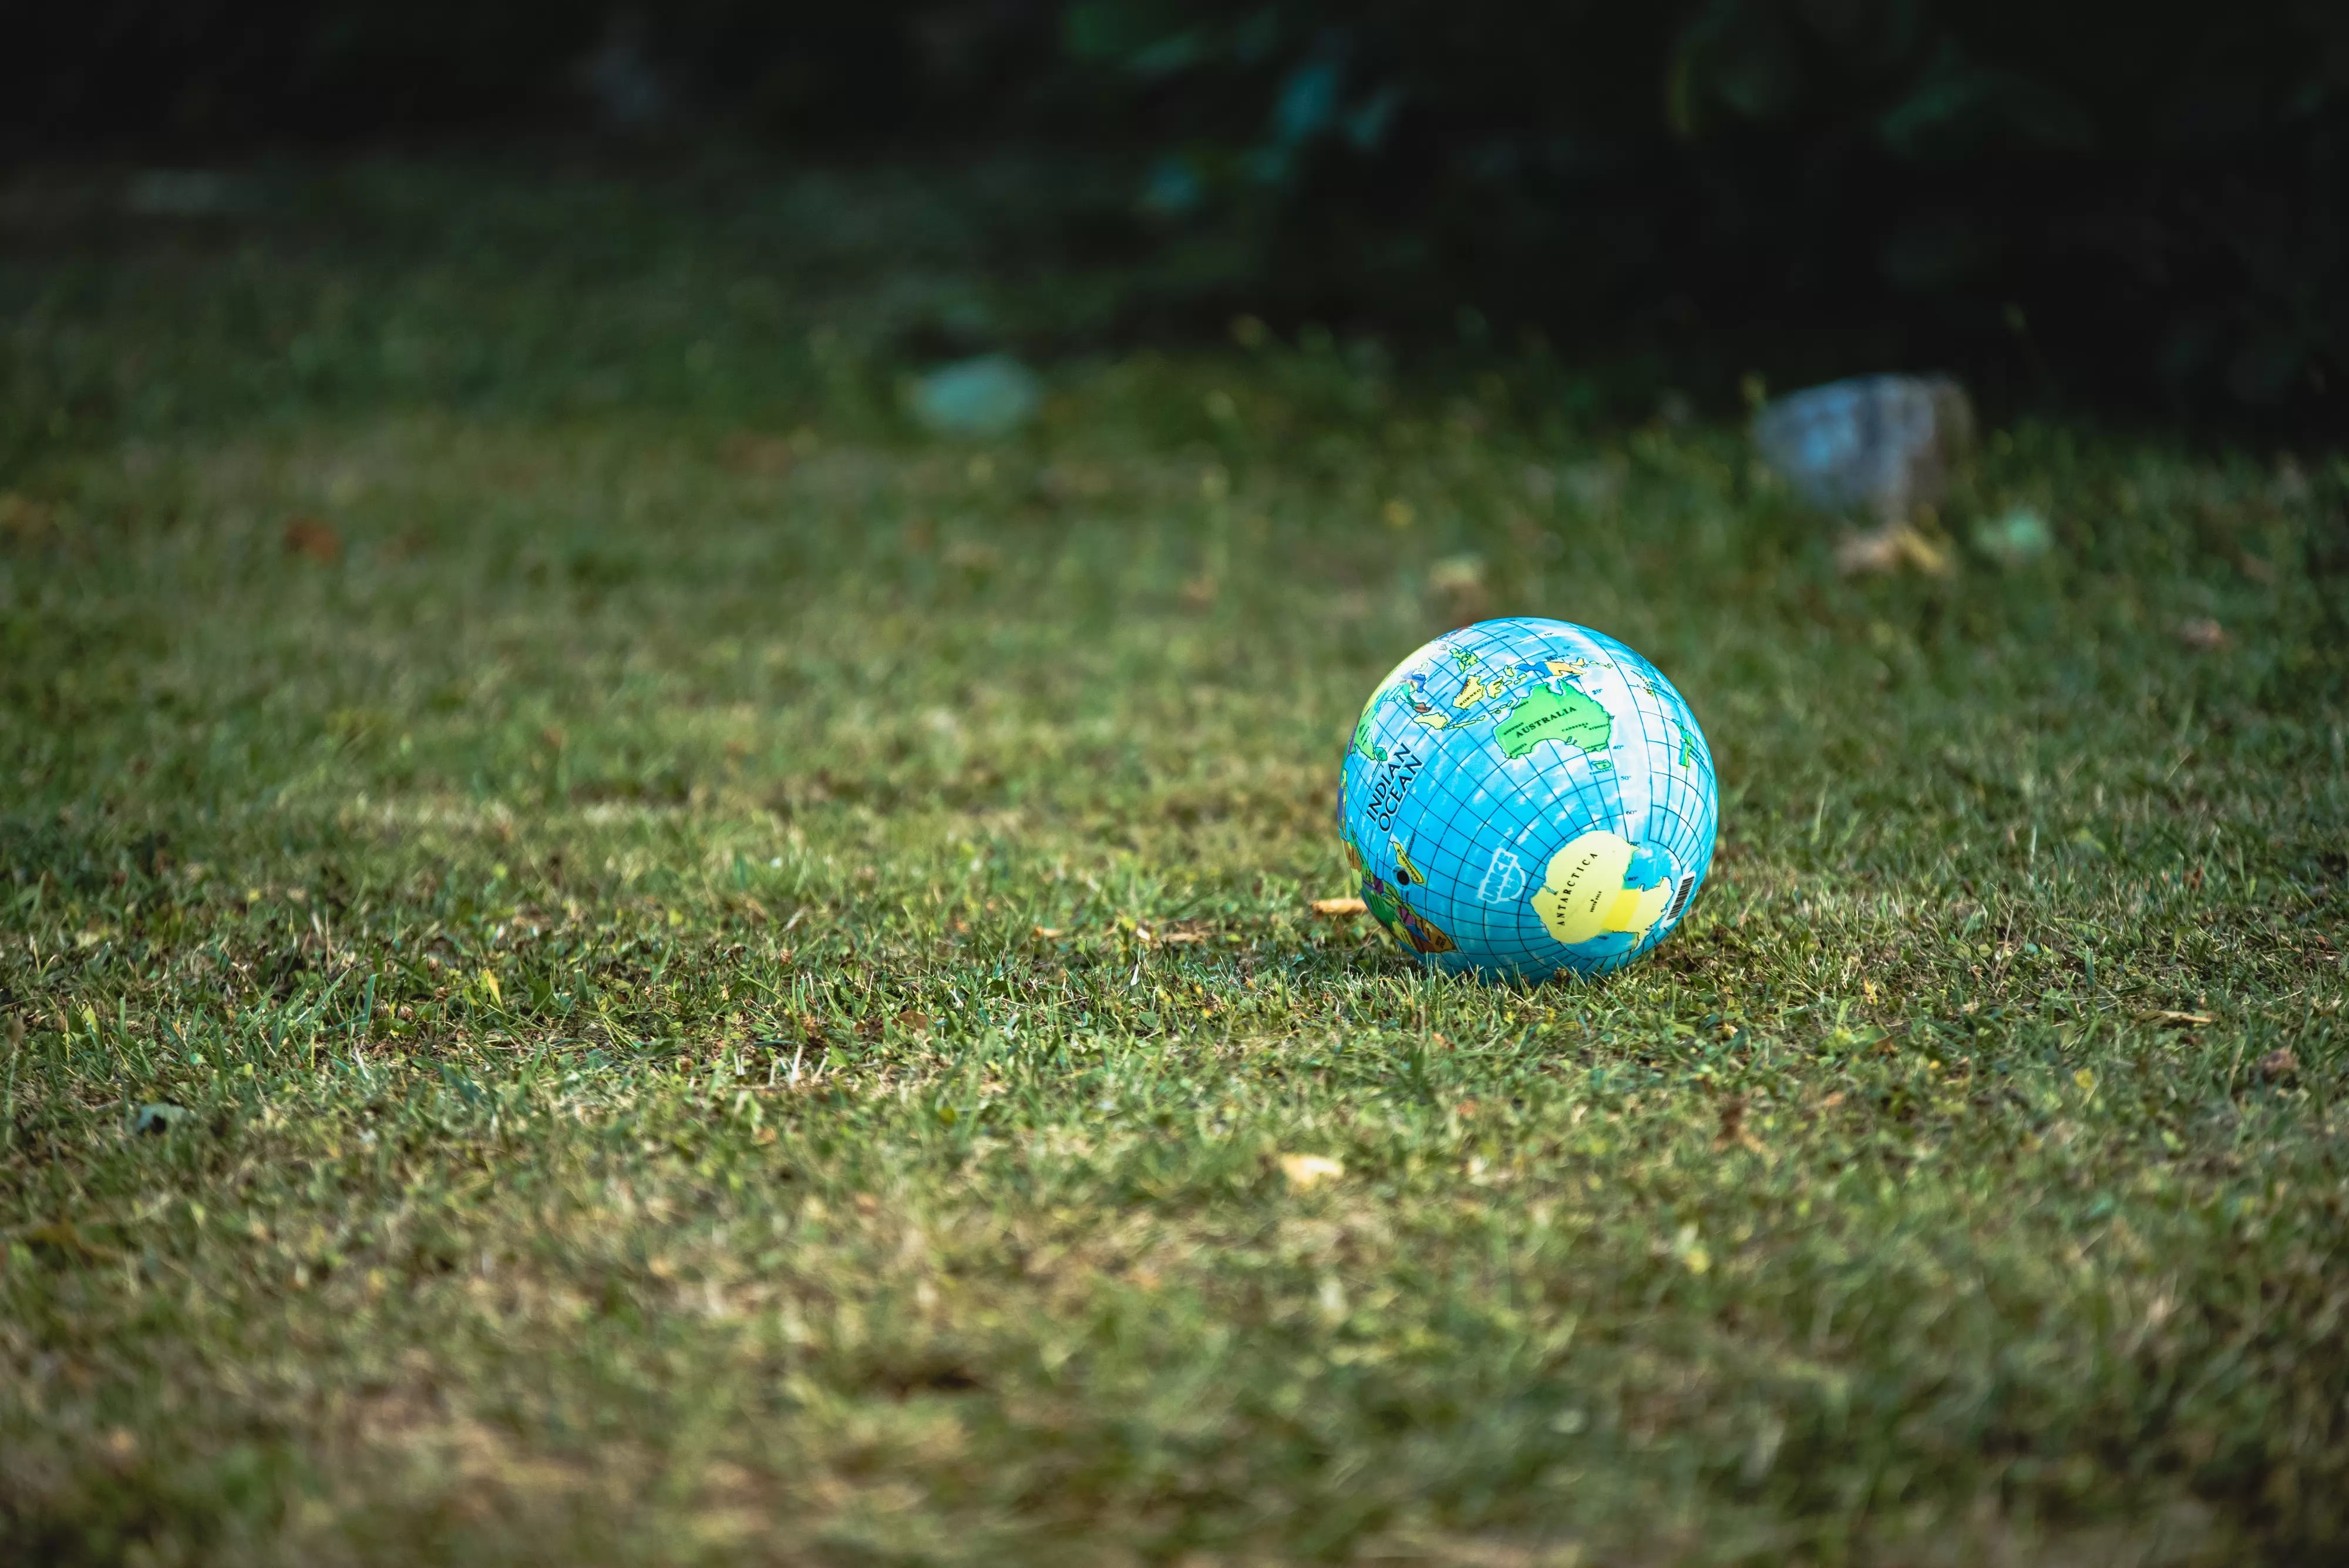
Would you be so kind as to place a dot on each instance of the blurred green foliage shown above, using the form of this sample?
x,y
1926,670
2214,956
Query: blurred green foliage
x,y
2089,199
2121,204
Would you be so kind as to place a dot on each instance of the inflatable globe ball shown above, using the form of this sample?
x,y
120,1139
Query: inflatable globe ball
x,y
1526,796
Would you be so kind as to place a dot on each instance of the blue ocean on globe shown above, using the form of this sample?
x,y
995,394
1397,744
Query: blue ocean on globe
x,y
1527,796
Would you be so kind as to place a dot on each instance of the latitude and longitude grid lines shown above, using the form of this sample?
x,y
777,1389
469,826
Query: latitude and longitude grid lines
x,y
1463,809
1502,927
1691,834
1508,928
1517,940
1690,839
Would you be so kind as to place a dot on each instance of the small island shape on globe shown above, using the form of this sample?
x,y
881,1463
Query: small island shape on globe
x,y
1527,796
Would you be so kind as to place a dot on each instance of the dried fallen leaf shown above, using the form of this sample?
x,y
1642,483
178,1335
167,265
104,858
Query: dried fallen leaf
x,y
1459,582
1923,554
314,538
1310,1171
2203,635
1889,548
2185,1020
1339,906
756,456
1866,553
1050,932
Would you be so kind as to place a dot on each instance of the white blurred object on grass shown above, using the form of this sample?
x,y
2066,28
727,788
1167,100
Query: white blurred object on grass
x,y
1878,447
985,398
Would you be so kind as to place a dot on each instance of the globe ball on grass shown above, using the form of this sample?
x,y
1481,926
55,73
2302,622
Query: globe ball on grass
x,y
1524,797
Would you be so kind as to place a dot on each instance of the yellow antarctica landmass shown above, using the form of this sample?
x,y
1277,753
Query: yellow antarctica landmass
x,y
1583,894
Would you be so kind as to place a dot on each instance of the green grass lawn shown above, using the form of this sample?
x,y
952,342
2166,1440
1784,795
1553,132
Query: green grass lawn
x,y
692,977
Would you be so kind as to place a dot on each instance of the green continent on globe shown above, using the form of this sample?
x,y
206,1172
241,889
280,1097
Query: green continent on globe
x,y
1555,714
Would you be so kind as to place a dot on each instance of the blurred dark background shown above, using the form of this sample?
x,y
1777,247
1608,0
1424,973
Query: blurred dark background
x,y
2132,209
